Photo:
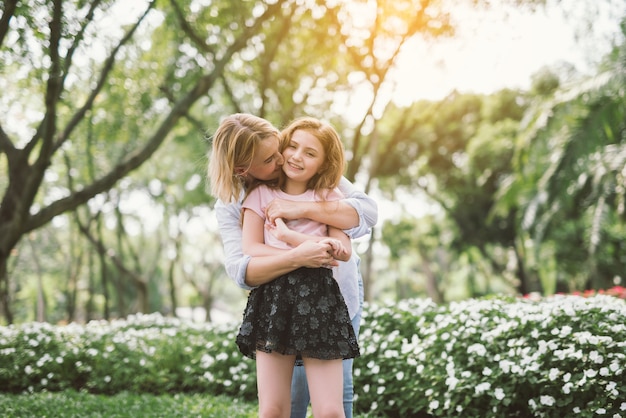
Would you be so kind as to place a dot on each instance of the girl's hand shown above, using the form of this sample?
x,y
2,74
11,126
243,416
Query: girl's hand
x,y
337,248
278,229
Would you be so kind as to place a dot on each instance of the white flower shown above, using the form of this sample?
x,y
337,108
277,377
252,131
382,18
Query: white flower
x,y
600,411
487,371
505,365
477,348
554,373
380,390
546,400
596,357
107,379
482,387
452,382
28,369
433,405
400,375
565,331
498,393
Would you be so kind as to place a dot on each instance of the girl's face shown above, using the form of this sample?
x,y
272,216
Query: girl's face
x,y
267,160
304,156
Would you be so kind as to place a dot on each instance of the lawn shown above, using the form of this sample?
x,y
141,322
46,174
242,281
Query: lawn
x,y
72,404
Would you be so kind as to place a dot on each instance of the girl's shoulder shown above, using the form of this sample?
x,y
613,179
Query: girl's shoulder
x,y
329,194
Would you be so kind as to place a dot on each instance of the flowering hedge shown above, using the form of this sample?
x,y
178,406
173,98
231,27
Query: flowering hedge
x,y
560,356
144,353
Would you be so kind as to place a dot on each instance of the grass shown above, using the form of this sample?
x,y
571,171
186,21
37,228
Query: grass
x,y
72,404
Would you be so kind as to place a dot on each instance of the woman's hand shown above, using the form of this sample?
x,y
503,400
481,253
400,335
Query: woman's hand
x,y
313,254
285,209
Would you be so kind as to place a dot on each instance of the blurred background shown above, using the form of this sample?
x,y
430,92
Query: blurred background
x,y
492,133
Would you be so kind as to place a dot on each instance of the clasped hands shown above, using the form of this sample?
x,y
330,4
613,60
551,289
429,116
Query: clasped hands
x,y
321,251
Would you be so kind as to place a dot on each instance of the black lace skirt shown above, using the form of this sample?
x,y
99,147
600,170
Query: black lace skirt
x,y
301,313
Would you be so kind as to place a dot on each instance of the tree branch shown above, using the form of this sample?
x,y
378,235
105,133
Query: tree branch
x,y
9,11
135,159
108,66
188,30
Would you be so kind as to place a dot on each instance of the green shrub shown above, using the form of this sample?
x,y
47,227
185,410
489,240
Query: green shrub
x,y
561,356
492,357
144,353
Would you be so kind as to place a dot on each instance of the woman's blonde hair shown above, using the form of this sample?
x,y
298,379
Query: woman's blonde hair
x,y
331,171
233,148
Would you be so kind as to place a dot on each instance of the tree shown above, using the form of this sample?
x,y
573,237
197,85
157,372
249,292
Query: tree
x,y
28,158
568,179
114,81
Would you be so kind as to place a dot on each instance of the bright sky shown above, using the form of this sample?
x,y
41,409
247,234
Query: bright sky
x,y
491,52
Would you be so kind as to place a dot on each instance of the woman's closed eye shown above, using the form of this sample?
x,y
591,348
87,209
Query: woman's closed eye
x,y
271,159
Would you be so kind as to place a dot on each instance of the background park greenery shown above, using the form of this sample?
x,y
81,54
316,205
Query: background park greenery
x,y
104,112
105,107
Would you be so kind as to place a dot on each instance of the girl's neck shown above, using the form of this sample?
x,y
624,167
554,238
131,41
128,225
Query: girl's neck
x,y
294,187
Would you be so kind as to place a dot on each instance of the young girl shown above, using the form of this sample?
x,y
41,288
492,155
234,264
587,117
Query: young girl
x,y
302,313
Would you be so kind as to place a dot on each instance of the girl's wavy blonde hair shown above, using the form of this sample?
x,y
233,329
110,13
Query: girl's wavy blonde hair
x,y
332,169
233,147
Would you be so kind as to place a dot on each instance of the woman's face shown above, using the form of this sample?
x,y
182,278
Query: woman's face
x,y
267,160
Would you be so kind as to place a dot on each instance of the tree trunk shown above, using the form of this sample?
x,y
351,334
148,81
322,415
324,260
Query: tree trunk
x,y
432,286
4,289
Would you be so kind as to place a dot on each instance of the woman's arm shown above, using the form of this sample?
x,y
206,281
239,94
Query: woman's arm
x,y
337,213
355,214
261,270
248,272
341,251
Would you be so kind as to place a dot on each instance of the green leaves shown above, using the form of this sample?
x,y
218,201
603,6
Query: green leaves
x,y
493,357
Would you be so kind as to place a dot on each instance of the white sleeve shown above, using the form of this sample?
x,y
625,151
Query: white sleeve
x,y
229,222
